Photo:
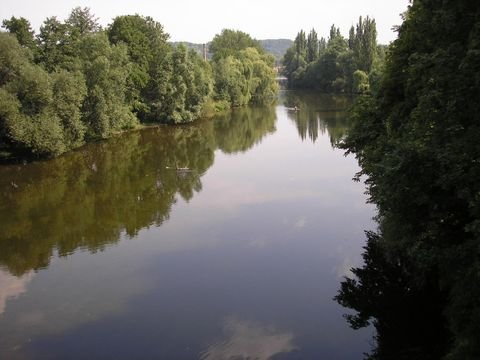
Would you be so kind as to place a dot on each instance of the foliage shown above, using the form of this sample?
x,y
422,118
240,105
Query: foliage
x,y
30,116
242,73
146,42
330,65
105,68
74,82
231,42
417,143
21,28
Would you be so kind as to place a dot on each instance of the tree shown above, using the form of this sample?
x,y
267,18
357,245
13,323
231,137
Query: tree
x,y
52,42
21,28
242,71
417,144
312,46
365,44
69,91
300,44
82,21
105,110
330,65
147,47
231,42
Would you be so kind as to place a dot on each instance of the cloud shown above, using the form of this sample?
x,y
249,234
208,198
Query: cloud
x,y
300,223
12,286
249,340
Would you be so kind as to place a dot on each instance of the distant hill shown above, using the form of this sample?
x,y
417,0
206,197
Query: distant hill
x,y
276,47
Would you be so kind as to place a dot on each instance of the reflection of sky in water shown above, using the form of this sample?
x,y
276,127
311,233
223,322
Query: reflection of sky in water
x,y
267,239
12,286
249,340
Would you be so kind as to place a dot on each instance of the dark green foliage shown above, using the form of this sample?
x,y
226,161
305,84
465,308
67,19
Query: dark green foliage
x,y
166,84
330,65
106,71
28,120
21,28
81,22
312,46
53,44
76,82
69,91
147,46
417,143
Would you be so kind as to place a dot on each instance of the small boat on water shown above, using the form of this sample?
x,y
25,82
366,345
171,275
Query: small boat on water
x,y
293,108
178,168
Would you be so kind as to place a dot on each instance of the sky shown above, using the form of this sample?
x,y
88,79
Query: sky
x,y
198,21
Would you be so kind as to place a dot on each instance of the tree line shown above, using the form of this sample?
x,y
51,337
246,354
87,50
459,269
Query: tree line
x,y
336,64
74,81
417,141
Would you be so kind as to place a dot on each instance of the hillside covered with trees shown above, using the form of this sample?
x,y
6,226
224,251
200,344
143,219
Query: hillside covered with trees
x,y
74,81
417,141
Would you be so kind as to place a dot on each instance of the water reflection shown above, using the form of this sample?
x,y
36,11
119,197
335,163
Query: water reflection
x,y
249,340
12,286
318,113
88,198
406,313
262,234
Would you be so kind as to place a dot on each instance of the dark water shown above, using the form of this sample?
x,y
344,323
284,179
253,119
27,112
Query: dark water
x,y
116,251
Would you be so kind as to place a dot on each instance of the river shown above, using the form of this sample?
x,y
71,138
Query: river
x,y
225,239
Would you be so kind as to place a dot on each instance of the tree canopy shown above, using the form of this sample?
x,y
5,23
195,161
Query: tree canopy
x,y
74,81
417,143
330,65
243,72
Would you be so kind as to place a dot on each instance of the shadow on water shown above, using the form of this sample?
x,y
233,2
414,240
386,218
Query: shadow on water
x,y
90,197
406,311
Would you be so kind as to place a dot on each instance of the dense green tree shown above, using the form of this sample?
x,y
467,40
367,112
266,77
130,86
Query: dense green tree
x,y
41,111
300,44
242,73
69,91
365,44
147,48
22,29
52,42
105,67
360,82
82,21
330,65
312,46
231,42
230,84
417,143
75,82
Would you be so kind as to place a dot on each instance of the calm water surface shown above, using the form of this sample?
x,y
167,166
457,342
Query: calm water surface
x,y
226,239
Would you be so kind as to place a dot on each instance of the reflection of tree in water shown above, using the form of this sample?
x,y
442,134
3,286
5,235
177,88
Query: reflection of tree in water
x,y
89,197
318,113
239,130
403,303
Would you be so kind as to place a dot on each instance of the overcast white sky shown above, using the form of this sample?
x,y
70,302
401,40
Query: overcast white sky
x,y
198,21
